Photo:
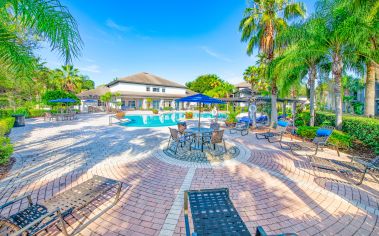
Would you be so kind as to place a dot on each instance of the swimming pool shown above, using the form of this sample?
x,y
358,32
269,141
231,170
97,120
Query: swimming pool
x,y
162,120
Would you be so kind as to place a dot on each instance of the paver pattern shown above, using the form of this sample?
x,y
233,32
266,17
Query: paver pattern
x,y
269,186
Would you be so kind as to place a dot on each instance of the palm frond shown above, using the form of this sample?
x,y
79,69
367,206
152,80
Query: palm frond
x,y
53,22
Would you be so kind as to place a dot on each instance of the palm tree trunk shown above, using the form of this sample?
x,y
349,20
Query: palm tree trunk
x,y
274,96
370,90
312,80
337,72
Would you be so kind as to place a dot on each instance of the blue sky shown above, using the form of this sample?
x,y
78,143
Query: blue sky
x,y
177,40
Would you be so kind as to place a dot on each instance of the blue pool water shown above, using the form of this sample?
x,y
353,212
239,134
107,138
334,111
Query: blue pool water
x,y
161,120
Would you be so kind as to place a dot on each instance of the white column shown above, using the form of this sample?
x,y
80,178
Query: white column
x,y
161,103
173,103
144,104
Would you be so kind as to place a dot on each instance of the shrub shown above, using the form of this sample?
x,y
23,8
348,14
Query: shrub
x,y
232,116
155,111
362,128
6,124
167,108
6,150
35,113
57,94
188,115
338,138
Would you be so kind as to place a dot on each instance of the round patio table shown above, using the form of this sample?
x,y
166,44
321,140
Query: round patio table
x,y
199,132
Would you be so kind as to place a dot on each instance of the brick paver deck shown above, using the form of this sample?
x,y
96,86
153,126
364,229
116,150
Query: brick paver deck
x,y
269,186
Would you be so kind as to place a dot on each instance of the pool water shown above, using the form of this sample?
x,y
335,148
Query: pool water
x,y
168,119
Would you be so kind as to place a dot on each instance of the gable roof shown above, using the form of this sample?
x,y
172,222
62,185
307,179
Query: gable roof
x,y
243,85
96,92
148,79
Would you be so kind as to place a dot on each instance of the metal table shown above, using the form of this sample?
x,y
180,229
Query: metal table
x,y
199,132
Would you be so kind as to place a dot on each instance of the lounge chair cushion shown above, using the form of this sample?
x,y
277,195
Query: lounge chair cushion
x,y
323,132
282,123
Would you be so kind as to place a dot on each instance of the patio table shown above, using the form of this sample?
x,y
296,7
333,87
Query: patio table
x,y
199,133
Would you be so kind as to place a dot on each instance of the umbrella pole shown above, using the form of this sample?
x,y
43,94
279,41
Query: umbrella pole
x,y
199,116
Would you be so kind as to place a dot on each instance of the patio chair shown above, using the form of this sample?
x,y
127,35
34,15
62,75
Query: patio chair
x,y
37,217
242,127
182,126
178,140
214,126
213,213
48,116
280,129
217,136
320,141
357,165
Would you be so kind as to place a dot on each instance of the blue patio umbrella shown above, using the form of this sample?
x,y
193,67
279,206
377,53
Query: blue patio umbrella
x,y
63,100
200,99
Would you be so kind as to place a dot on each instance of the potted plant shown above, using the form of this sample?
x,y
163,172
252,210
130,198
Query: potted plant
x,y
188,115
231,119
120,115
155,111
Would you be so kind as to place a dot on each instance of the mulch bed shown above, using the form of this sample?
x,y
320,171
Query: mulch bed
x,y
4,169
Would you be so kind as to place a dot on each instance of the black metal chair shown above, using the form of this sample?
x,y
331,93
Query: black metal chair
x,y
217,136
213,213
242,127
280,129
357,167
214,126
37,217
179,140
317,143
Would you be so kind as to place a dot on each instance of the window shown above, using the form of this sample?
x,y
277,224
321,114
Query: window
x,y
156,90
163,90
147,89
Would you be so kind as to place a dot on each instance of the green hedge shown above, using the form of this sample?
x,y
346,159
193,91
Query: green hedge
x,y
338,138
6,150
6,124
362,128
29,113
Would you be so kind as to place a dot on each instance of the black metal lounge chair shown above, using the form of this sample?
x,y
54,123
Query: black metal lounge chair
x,y
242,127
39,216
280,129
213,213
217,136
360,166
320,141
261,232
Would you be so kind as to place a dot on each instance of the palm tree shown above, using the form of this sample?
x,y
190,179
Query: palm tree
x,y
69,78
48,20
300,57
340,34
261,23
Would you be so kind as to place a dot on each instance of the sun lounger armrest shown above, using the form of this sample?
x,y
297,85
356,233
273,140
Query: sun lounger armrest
x,y
186,221
260,231
27,227
16,200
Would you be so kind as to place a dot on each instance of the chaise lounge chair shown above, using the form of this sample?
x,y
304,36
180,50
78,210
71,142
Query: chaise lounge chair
x,y
320,141
280,129
360,166
40,216
213,213
242,127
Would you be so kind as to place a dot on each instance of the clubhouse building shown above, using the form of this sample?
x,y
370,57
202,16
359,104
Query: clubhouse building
x,y
137,91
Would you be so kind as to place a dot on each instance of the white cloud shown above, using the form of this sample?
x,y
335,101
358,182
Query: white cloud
x,y
90,68
215,54
113,25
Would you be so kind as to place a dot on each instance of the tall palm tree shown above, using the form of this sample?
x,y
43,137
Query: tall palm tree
x,y
49,20
260,25
300,57
69,78
340,33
